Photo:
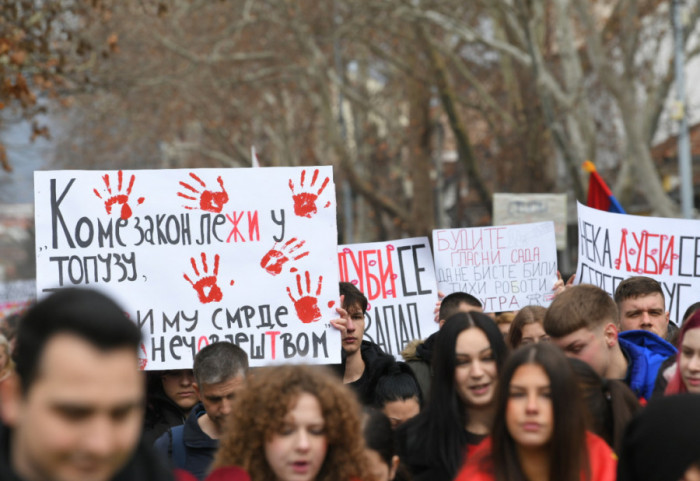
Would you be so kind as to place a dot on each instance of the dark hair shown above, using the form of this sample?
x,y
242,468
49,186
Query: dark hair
x,y
526,315
662,441
378,434
87,314
441,424
353,296
611,403
636,286
450,304
577,307
690,311
567,448
219,362
397,384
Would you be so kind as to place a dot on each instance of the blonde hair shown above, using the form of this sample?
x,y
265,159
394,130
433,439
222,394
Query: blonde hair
x,y
259,411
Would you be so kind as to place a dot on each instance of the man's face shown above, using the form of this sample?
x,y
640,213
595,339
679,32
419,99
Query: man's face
x,y
217,398
588,345
178,385
352,339
81,418
645,312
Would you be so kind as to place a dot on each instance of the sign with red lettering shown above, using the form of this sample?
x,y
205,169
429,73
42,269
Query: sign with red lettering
x,y
200,255
398,279
505,267
613,247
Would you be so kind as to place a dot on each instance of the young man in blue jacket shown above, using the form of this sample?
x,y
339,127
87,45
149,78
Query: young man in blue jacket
x,y
583,321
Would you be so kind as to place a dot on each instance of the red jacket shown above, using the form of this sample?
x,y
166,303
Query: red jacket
x,y
603,462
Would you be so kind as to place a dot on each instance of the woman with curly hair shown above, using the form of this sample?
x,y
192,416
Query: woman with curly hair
x,y
293,423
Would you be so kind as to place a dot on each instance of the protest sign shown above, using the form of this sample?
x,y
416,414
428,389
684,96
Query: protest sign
x,y
613,247
511,209
505,267
398,279
200,255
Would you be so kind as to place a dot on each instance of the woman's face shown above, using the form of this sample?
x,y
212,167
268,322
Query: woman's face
x,y
476,373
378,468
297,450
529,412
689,360
533,333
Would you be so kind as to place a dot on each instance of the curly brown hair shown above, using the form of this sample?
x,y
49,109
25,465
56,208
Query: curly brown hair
x,y
259,410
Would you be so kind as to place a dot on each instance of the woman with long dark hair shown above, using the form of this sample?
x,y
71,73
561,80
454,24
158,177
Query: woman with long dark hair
x,y
468,353
538,432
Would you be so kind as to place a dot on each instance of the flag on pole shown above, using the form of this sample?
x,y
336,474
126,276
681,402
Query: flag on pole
x,y
599,194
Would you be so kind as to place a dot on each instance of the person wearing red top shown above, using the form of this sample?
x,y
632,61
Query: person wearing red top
x,y
539,431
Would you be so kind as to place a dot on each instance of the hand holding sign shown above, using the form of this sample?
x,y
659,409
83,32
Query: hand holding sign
x,y
306,305
305,202
119,197
206,287
209,200
274,260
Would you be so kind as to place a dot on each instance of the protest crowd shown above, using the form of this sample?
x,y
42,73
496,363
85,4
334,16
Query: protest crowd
x,y
545,380
590,388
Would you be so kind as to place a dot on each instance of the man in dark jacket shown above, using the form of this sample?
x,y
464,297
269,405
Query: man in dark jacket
x,y
363,362
219,370
74,409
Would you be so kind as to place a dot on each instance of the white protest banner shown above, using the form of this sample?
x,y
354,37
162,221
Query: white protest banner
x,y
247,256
505,267
398,279
511,209
613,247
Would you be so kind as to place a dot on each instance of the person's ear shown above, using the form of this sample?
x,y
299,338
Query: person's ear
x,y
668,317
11,395
610,333
393,467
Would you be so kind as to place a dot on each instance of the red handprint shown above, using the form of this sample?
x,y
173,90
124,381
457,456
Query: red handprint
x,y
307,305
143,361
274,260
119,197
206,287
208,200
305,202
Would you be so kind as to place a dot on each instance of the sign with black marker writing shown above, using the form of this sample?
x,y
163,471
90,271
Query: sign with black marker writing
x,y
200,255
398,279
505,267
613,247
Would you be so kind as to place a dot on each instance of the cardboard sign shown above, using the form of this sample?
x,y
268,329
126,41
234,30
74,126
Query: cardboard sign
x,y
398,279
613,247
511,209
200,255
505,267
